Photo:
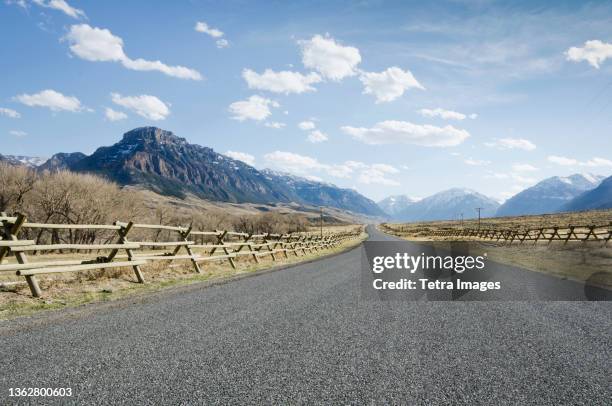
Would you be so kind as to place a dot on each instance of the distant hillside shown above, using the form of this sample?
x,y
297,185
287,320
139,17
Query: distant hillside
x,y
549,195
598,198
323,194
61,161
21,160
449,204
393,205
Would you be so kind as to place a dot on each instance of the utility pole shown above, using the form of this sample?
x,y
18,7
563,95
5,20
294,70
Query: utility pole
x,y
461,219
321,208
479,208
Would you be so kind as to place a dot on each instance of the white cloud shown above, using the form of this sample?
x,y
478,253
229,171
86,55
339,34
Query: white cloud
x,y
62,6
213,32
9,113
305,166
206,29
145,105
18,133
593,162
373,175
241,156
524,168
293,163
403,132
476,162
445,114
254,108
512,143
50,99
377,174
317,136
281,82
597,162
561,160
595,52
306,125
100,45
275,124
522,180
330,59
388,85
114,115
473,116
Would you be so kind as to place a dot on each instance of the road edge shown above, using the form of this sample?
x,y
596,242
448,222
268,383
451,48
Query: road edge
x,y
19,323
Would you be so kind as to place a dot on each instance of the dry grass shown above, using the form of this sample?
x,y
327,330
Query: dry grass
x,y
425,229
71,289
581,261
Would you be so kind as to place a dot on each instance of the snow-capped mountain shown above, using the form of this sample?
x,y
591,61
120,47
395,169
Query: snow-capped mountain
x,y
598,198
549,195
29,161
393,205
448,205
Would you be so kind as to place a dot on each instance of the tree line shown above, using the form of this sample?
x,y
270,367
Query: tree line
x,y
76,198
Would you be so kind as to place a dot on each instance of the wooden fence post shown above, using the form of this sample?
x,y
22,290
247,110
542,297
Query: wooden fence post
x,y
184,235
10,233
123,231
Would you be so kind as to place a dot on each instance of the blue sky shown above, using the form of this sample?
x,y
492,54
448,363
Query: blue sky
x,y
385,97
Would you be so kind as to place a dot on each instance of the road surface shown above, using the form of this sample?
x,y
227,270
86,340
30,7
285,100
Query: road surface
x,y
307,335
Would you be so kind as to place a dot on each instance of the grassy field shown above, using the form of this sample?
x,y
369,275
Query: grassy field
x,y
581,261
72,289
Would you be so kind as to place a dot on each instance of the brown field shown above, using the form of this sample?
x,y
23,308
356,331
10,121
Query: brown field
x,y
577,260
423,230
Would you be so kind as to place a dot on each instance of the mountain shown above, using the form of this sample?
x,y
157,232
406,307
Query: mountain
x,y
393,205
448,205
549,195
598,198
323,194
5,160
160,161
61,161
21,160
167,164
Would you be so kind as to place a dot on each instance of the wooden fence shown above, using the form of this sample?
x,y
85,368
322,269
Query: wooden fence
x,y
542,234
219,245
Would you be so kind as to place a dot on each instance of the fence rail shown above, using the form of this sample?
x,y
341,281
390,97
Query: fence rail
x,y
223,245
602,233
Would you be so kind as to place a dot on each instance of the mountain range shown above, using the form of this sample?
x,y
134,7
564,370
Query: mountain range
x,y
577,192
29,161
595,199
158,160
550,195
447,205
393,205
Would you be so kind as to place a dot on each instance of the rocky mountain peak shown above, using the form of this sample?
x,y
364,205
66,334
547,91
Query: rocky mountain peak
x,y
152,136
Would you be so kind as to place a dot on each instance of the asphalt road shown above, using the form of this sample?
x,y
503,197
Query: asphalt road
x,y
308,334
